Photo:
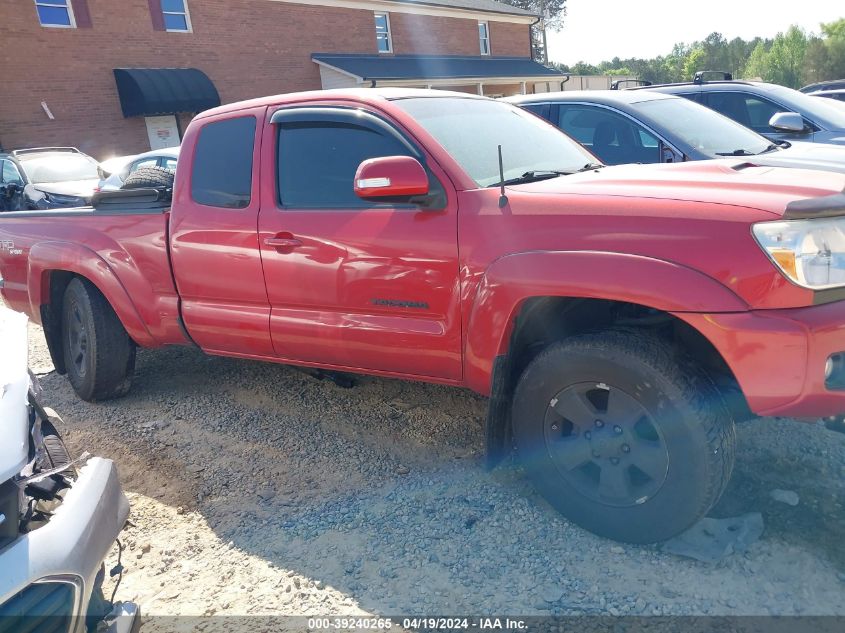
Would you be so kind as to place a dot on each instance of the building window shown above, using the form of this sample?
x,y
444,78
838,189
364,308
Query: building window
x,y
383,41
176,17
56,13
484,38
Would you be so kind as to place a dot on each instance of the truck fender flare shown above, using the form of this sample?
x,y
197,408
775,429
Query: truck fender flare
x,y
47,257
512,279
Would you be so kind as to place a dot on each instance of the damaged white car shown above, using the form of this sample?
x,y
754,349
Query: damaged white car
x,y
59,517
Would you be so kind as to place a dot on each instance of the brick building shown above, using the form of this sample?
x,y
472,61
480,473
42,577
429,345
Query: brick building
x,y
119,76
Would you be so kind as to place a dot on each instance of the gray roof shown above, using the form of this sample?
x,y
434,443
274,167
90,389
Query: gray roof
x,y
487,6
375,67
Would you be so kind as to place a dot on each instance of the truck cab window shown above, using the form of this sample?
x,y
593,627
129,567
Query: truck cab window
x,y
317,161
222,169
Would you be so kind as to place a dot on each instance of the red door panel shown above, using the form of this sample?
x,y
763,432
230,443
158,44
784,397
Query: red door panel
x,y
360,286
214,248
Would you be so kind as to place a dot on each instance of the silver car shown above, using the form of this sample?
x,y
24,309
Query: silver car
x,y
776,112
113,172
59,517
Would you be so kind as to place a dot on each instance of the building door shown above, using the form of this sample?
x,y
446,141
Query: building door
x,y
358,284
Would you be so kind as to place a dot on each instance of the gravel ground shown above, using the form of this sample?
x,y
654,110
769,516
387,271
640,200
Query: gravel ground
x,y
256,489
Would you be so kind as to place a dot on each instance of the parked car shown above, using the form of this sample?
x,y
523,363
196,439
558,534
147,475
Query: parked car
x,y
835,84
621,319
836,95
776,112
46,178
625,126
59,517
112,176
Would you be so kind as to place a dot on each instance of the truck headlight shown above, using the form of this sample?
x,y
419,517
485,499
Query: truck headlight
x,y
810,252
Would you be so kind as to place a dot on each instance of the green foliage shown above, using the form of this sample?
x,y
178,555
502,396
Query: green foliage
x,y
756,67
553,11
792,59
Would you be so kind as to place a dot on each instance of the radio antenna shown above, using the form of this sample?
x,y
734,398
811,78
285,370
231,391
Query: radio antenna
x,y
503,199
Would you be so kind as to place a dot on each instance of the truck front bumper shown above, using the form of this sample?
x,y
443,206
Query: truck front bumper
x,y
778,356
72,546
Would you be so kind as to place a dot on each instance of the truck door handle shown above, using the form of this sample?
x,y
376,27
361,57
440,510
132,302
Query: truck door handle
x,y
282,242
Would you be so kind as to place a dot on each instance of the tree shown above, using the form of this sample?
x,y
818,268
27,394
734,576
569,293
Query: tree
x,y
675,62
834,38
583,68
834,30
785,61
553,12
695,61
791,58
758,61
816,61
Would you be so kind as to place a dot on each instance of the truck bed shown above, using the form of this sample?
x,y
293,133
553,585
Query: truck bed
x,y
120,245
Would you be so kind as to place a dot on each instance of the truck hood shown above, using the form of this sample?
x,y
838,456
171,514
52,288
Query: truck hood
x,y
729,182
806,156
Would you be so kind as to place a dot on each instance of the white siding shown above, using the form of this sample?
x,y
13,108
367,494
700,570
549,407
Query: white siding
x,y
591,82
333,79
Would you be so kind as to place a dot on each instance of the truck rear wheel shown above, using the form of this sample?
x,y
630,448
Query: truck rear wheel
x,y
623,437
99,355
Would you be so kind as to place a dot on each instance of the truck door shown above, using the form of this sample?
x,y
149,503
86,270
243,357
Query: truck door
x,y
213,241
353,283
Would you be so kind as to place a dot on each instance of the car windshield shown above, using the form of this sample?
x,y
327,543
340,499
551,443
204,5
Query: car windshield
x,y
820,110
472,129
59,168
702,128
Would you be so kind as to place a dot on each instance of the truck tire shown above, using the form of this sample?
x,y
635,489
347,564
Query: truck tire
x,y
622,436
149,178
99,355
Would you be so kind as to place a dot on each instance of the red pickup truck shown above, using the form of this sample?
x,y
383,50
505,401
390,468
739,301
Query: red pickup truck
x,y
620,319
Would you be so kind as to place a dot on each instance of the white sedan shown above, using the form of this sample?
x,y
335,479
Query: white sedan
x,y
115,170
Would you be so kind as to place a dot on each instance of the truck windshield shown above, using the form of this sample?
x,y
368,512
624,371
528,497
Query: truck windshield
x,y
59,168
702,128
472,129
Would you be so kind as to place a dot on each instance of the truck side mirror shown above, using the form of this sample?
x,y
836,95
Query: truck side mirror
x,y
391,177
787,122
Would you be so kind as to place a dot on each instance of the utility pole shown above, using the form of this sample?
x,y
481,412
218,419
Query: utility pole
x,y
545,41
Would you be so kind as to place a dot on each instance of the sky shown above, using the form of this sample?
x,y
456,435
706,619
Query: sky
x,y
595,30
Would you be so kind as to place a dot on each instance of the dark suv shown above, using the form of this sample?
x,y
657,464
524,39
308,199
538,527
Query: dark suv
x,y
776,112
46,178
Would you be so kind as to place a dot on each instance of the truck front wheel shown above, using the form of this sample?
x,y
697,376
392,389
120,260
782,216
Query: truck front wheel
x,y
622,435
99,355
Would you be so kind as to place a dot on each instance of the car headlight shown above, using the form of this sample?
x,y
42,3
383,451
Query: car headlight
x,y
809,252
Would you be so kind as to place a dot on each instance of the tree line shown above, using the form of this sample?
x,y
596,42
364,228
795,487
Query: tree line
x,y
794,58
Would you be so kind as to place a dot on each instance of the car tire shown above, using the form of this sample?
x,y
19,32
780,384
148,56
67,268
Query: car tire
x,y
149,178
99,355
623,436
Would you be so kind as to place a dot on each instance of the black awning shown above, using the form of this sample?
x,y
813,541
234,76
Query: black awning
x,y
152,91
